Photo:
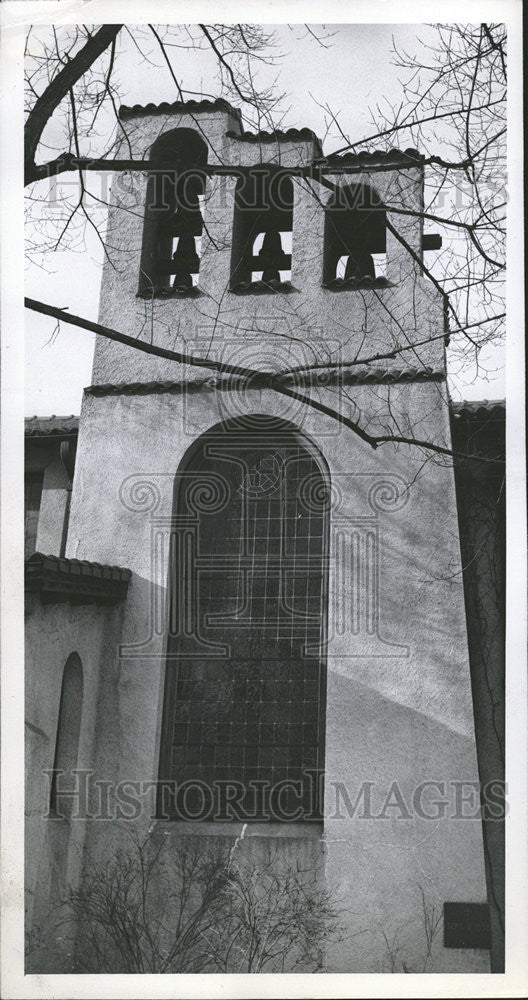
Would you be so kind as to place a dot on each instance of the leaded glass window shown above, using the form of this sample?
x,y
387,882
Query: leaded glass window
x,y
245,688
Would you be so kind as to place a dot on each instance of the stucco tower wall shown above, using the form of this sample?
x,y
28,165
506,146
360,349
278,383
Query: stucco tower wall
x,y
399,708
306,325
398,701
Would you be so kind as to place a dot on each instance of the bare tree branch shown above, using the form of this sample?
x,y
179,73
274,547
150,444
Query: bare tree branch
x,y
59,87
260,379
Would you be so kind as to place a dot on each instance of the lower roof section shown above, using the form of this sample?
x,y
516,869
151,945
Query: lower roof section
x,y
57,580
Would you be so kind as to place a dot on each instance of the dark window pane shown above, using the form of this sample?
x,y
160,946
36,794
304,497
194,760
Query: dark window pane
x,y
255,589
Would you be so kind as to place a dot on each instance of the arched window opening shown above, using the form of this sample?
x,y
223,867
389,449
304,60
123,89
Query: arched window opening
x,y
243,726
172,231
376,269
67,741
355,239
262,228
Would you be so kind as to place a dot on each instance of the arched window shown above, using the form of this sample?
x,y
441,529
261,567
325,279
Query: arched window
x,y
262,227
246,675
173,220
67,741
355,238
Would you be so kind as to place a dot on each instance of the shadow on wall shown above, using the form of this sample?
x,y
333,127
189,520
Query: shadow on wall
x,y
402,790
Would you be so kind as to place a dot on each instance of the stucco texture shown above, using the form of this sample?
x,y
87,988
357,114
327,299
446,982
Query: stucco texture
x,y
398,700
53,847
310,324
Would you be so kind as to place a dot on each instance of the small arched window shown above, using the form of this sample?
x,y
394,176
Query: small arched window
x,y
173,220
355,238
262,227
67,741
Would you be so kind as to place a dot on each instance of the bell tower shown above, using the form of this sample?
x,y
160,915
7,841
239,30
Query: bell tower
x,y
257,252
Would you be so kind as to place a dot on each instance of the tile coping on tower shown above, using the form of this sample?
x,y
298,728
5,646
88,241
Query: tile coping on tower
x,y
185,107
398,157
262,380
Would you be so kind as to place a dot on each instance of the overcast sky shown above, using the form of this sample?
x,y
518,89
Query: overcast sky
x,y
352,75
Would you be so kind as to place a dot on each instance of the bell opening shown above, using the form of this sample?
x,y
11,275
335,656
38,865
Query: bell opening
x,y
269,249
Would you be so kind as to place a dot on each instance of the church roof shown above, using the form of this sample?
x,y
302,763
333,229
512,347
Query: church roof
x,y
52,426
58,579
480,408
478,429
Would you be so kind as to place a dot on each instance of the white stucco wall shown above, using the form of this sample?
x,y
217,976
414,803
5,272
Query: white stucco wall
x,y
398,703
53,847
310,324
398,696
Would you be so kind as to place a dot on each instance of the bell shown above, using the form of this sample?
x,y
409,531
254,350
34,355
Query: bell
x,y
270,255
187,261
360,266
186,222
